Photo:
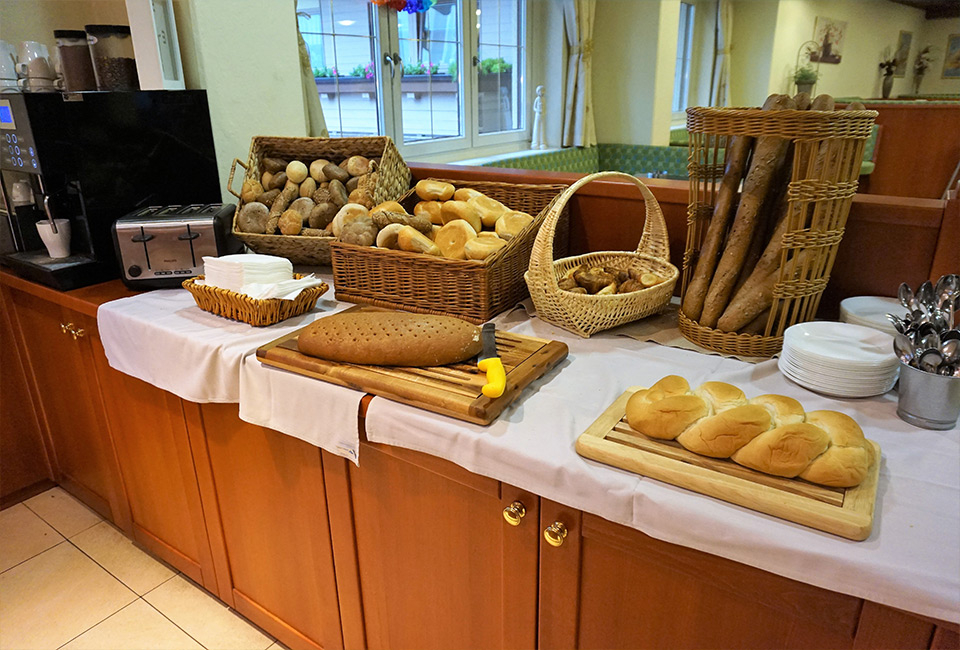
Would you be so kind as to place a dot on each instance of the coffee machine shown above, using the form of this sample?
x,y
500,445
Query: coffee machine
x,y
92,157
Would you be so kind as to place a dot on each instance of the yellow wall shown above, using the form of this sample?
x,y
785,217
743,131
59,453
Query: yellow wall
x,y
245,55
935,33
35,20
754,28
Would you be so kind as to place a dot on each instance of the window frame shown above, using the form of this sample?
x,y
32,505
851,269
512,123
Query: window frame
x,y
686,36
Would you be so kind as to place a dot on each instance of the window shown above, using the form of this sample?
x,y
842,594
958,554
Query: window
x,y
450,78
681,80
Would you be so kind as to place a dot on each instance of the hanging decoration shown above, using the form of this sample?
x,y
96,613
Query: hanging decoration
x,y
410,6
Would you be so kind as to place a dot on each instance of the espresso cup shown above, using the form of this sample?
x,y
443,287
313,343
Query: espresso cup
x,y
57,243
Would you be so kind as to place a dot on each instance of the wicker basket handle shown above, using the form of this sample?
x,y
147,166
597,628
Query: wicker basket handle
x,y
653,242
233,170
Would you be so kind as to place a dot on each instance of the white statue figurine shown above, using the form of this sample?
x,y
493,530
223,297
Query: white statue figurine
x,y
537,140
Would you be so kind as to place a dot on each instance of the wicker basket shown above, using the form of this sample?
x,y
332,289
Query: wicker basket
x,y
473,290
259,313
585,314
392,181
817,211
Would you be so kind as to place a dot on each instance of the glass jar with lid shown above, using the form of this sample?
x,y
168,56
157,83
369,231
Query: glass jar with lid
x,y
75,62
114,64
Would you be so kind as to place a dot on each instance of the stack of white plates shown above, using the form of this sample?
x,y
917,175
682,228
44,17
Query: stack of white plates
x,y
871,311
839,359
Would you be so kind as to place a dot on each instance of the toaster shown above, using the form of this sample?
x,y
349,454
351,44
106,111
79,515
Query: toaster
x,y
161,246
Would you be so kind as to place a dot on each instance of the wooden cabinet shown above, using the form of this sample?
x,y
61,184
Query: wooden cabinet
x,y
24,459
268,489
56,343
609,586
439,566
150,438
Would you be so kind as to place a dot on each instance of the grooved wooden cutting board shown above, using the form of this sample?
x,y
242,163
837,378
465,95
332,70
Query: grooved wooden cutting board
x,y
845,512
452,390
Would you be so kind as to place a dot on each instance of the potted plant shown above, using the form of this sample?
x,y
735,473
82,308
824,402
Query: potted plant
x,y
888,64
805,77
495,94
920,65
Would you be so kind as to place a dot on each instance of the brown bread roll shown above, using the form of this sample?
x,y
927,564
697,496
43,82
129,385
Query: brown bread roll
x,y
391,339
769,433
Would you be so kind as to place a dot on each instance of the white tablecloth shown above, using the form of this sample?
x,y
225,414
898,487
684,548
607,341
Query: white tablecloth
x,y
911,561
163,338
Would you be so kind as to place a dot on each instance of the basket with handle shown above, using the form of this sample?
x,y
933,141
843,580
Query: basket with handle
x,y
586,314
393,179
819,195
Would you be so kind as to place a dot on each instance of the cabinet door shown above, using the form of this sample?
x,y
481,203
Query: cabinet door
x,y
439,566
21,442
150,437
609,586
270,494
65,383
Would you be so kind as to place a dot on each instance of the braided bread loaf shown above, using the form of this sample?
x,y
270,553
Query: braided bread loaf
x,y
769,433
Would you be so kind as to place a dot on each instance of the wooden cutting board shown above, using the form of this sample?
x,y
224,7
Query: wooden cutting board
x,y
452,390
845,512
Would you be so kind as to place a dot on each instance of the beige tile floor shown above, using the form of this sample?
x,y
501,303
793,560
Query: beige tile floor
x,y
69,579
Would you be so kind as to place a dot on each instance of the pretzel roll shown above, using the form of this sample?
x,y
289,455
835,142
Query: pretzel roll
x,y
784,451
850,455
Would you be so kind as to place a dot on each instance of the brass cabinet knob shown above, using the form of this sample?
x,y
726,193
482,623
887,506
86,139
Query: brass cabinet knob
x,y
555,533
73,331
514,512
66,328
79,333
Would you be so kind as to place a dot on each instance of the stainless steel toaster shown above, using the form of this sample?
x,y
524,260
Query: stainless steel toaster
x,y
160,246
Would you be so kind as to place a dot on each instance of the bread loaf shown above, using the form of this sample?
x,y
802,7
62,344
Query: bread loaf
x,y
769,433
390,339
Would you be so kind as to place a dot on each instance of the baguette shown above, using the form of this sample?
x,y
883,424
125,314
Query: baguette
x,y
737,153
757,295
767,159
769,433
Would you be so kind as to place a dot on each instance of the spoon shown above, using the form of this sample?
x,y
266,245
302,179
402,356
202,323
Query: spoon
x,y
925,294
927,336
898,323
950,349
946,370
905,293
930,360
903,346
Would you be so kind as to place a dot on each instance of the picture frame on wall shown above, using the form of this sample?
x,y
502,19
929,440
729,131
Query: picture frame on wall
x,y
951,58
830,35
903,53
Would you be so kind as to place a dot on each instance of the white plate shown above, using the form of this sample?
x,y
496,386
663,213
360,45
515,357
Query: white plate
x,y
835,390
841,344
871,311
845,372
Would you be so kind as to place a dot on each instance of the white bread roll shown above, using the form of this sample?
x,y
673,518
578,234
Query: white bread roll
x,y
452,237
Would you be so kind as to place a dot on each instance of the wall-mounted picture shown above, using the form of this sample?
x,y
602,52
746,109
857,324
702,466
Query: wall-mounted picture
x,y
903,53
951,60
829,33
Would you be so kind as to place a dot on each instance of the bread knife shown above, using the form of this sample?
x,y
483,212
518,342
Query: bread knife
x,y
490,363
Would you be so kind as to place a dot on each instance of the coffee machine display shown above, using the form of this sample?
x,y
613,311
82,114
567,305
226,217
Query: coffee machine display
x,y
91,158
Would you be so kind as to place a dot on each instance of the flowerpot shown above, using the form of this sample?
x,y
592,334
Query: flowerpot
x,y
805,88
887,86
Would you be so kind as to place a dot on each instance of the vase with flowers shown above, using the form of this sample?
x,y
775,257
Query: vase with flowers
x,y
920,65
888,64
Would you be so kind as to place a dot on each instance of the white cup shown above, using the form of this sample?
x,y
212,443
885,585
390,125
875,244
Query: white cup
x,y
57,243
8,63
34,61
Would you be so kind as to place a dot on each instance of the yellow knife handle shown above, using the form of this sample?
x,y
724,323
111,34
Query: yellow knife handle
x,y
496,376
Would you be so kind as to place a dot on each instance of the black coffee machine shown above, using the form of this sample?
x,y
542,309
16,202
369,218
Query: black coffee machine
x,y
93,157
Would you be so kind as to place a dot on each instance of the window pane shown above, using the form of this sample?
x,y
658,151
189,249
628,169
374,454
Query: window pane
x,y
684,54
501,26
341,39
431,47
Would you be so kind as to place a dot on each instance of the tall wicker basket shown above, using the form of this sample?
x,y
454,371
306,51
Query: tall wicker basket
x,y
393,180
818,205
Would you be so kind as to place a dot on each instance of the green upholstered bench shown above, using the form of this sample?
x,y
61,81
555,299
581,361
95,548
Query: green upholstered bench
x,y
636,159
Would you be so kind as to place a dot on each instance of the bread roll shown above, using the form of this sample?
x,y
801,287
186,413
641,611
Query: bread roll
x,y
348,213
480,248
452,237
511,223
387,237
391,339
465,194
411,239
430,209
389,206
452,210
770,433
434,190
489,209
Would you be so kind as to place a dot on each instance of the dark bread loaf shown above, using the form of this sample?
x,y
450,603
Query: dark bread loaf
x,y
391,339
